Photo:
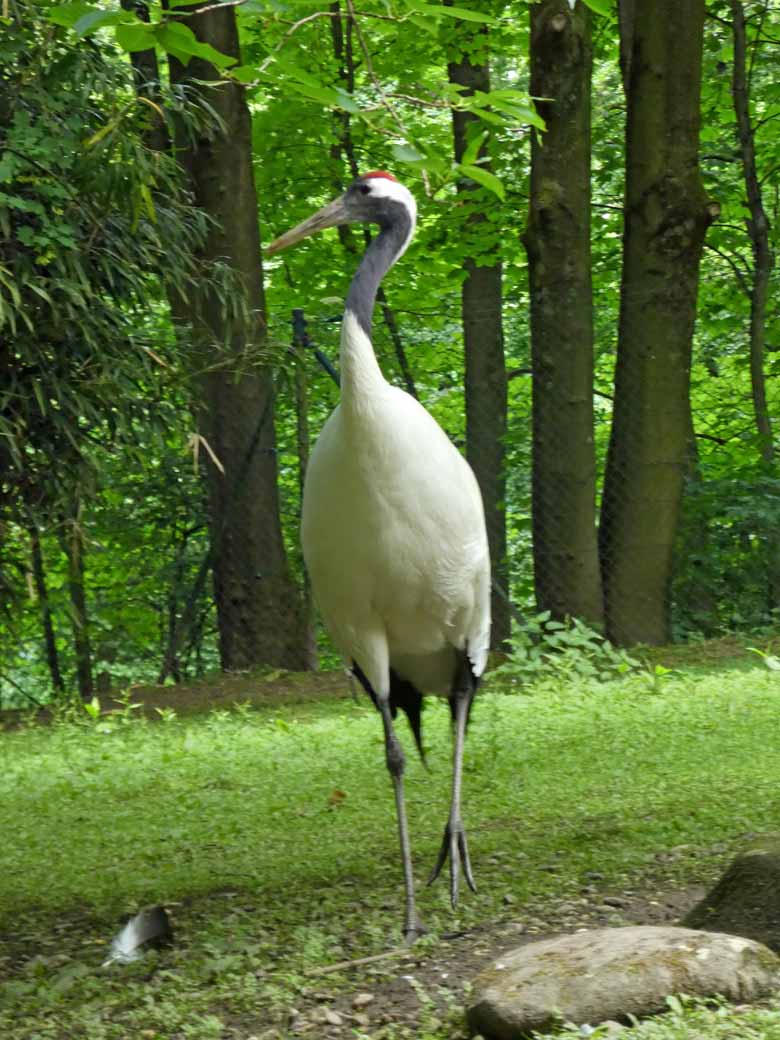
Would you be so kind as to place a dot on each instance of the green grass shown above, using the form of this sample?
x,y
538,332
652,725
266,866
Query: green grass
x,y
271,834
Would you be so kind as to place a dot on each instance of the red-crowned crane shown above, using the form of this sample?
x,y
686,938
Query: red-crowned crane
x,y
393,530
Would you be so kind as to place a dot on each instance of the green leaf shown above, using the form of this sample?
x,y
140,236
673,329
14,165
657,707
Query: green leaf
x,y
297,73
483,177
244,73
605,7
346,101
69,14
94,20
525,114
419,156
405,153
489,117
426,24
471,154
180,40
464,14
135,37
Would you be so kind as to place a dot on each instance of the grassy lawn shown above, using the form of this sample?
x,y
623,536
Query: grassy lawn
x,y
270,835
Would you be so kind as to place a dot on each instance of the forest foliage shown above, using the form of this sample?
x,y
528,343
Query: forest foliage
x,y
104,517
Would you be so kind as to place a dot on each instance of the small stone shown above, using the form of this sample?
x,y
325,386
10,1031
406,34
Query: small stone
x,y
508,899
361,999
361,1020
615,901
333,1018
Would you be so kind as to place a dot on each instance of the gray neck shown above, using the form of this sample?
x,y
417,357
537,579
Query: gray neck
x,y
377,261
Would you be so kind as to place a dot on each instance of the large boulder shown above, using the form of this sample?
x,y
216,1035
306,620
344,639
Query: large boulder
x,y
746,900
610,973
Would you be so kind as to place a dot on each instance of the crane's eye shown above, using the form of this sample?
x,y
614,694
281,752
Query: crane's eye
x,y
365,189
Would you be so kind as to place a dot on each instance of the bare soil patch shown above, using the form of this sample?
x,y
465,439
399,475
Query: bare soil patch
x,y
422,987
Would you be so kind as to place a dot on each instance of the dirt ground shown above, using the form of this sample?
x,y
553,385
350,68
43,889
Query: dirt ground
x,y
396,991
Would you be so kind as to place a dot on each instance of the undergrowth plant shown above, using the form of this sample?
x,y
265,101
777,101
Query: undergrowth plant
x,y
567,649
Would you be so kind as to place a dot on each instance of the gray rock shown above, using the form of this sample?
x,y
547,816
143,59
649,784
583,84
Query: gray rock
x,y
613,972
746,900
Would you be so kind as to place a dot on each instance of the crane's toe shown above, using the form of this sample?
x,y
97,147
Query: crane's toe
x,y
454,847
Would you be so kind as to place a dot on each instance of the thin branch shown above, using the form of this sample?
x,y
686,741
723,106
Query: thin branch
x,y
18,688
370,69
380,90
345,965
733,265
293,28
216,7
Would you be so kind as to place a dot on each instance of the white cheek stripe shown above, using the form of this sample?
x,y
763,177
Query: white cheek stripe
x,y
384,188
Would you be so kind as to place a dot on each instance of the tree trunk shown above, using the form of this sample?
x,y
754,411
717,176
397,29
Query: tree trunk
x,y
146,72
72,541
566,563
303,444
47,623
758,229
483,337
258,606
666,217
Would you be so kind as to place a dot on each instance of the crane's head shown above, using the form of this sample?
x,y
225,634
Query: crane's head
x,y
372,198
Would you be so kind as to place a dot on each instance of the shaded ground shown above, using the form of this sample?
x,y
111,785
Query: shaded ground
x,y
406,992
433,982
403,993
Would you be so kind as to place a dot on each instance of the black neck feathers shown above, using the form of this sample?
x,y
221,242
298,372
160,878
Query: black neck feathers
x,y
396,225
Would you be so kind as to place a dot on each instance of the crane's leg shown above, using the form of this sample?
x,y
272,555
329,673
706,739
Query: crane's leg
x,y
394,755
404,695
454,845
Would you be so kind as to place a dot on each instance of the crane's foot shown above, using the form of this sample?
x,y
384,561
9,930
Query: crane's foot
x,y
454,848
413,929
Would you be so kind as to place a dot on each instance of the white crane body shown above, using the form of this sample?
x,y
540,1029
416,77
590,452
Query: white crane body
x,y
393,536
393,530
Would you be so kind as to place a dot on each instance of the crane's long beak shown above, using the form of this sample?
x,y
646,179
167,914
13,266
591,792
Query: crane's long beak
x,y
329,216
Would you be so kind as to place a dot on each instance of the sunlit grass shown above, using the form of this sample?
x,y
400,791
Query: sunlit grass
x,y
272,835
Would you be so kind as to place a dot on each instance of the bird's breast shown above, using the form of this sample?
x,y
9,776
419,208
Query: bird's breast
x,y
393,529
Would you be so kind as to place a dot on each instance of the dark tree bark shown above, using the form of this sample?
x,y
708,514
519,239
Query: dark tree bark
x,y
72,542
483,337
47,623
666,217
759,231
566,562
147,81
303,444
259,612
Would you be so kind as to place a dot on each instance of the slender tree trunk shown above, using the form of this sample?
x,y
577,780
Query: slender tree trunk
x,y
258,605
303,444
566,562
72,541
483,337
147,81
666,217
759,230
47,623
